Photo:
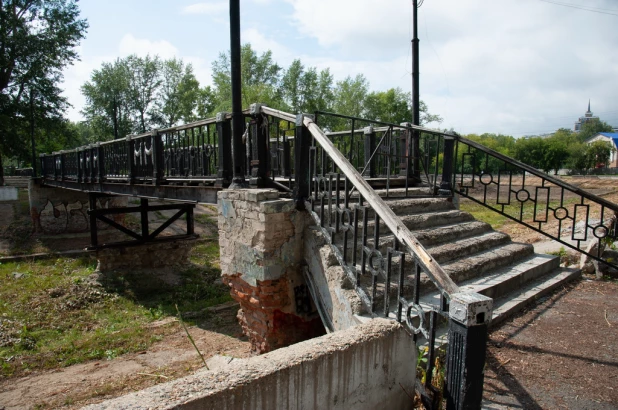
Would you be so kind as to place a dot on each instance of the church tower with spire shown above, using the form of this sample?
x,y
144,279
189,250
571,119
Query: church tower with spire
x,y
582,120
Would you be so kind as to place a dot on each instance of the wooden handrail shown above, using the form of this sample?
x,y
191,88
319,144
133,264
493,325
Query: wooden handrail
x,y
394,223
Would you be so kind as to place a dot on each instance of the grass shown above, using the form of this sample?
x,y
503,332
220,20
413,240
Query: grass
x,y
52,314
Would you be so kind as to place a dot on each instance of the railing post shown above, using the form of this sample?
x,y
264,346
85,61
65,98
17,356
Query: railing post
x,y
302,147
42,164
370,147
62,170
470,314
100,164
55,156
260,153
224,144
447,166
131,159
405,165
157,158
287,169
415,141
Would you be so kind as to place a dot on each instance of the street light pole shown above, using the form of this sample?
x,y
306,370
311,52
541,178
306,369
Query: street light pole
x,y
238,125
415,66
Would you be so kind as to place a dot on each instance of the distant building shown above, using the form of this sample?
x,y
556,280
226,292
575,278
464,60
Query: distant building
x,y
611,137
586,118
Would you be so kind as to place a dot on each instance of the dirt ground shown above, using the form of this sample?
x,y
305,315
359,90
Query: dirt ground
x,y
562,353
173,357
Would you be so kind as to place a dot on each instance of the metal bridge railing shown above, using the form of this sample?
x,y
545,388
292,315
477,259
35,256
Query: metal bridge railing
x,y
547,205
387,266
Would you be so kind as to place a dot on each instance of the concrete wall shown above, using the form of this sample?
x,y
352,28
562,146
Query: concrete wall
x,y
365,367
58,211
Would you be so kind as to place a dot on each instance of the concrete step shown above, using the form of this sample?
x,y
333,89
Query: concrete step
x,y
448,233
505,280
509,304
483,262
467,246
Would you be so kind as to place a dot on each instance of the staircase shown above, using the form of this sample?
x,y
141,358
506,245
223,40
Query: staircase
x,y
477,258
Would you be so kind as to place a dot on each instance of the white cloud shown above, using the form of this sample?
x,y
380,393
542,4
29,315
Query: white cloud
x,y
129,44
206,8
261,44
512,67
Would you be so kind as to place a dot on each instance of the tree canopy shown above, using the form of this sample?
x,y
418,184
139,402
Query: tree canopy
x,y
37,41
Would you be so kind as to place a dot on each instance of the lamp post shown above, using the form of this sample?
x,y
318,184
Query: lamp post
x,y
415,70
238,179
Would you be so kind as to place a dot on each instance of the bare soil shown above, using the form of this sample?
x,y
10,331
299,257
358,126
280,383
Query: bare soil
x,y
561,353
173,357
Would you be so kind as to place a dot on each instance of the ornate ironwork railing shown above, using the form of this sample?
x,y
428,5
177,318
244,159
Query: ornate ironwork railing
x,y
191,152
547,205
391,155
386,264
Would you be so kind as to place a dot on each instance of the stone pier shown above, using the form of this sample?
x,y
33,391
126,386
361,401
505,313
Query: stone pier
x,y
260,237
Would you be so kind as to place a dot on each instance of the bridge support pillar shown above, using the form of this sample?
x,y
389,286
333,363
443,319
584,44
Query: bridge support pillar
x,y
260,237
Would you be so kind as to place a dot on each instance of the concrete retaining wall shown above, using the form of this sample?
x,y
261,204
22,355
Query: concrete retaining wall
x,y
57,210
364,367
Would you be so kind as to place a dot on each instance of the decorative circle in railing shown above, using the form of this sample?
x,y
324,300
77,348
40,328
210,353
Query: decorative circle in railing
x,y
600,231
561,213
419,315
321,183
346,219
486,178
375,262
523,195
209,150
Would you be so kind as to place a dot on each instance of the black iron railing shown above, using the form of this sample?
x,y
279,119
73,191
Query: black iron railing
x,y
541,202
187,152
385,263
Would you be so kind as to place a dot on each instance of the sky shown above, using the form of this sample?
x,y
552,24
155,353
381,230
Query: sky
x,y
516,67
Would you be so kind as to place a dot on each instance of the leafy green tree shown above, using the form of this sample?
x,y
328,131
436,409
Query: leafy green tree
x,y
37,41
178,94
592,128
306,90
599,153
143,83
531,151
260,79
206,102
350,96
108,109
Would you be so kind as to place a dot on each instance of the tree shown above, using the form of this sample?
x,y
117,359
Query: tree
x,y
592,128
37,41
306,90
142,83
599,153
260,79
531,151
394,106
178,94
108,108
350,96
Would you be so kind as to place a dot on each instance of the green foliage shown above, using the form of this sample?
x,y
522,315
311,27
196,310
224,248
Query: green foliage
x,y
37,41
55,315
592,128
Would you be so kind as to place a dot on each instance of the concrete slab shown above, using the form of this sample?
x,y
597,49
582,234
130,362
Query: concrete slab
x,y
8,193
